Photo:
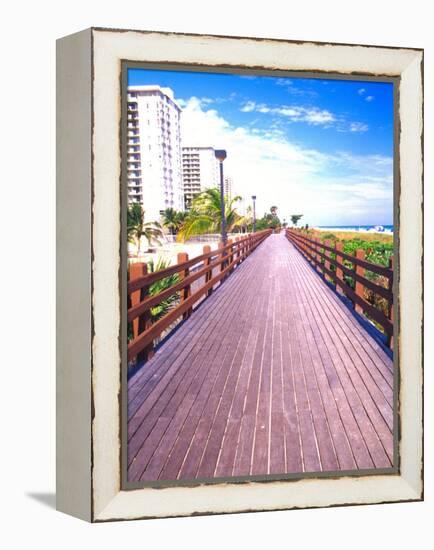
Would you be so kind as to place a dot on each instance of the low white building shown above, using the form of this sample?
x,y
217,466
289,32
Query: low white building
x,y
154,150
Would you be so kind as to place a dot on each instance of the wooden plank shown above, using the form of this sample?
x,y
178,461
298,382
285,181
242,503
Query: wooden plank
x,y
169,391
373,368
361,402
166,407
177,349
198,410
260,458
372,348
376,406
345,407
339,443
243,459
250,321
277,451
197,445
381,372
293,443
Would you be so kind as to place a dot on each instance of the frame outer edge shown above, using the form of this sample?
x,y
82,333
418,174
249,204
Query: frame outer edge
x,y
73,275
112,504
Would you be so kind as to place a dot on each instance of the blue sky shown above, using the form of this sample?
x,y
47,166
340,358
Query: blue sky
x,y
321,147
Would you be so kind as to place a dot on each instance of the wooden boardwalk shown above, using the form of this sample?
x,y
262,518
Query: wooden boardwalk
x,y
273,374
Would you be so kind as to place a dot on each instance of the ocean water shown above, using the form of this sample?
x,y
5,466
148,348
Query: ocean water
x,y
361,228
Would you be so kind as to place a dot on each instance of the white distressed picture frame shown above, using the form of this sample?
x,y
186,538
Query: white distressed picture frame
x,y
88,271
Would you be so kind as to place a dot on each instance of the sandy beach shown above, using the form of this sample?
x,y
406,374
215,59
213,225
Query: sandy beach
x,y
169,251
352,230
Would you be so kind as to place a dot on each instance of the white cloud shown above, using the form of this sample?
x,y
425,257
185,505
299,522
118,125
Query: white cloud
x,y
328,189
248,107
202,101
358,127
293,89
318,116
369,98
311,115
284,82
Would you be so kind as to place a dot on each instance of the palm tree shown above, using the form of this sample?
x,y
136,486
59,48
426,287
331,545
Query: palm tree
x,y
138,228
205,214
247,219
273,210
171,220
295,218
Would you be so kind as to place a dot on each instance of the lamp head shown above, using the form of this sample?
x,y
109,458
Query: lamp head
x,y
220,154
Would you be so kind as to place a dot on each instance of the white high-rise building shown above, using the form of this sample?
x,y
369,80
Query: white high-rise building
x,y
154,150
200,170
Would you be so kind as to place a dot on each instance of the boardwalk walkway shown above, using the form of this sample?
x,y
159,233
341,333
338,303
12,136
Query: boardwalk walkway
x,y
271,375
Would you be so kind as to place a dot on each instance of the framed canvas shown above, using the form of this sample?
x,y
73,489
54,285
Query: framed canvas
x,y
239,274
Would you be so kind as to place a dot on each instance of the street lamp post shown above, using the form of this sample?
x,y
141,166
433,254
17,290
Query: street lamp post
x,y
254,213
220,155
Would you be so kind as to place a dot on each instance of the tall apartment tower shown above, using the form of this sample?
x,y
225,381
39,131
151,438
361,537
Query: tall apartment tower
x,y
200,170
154,150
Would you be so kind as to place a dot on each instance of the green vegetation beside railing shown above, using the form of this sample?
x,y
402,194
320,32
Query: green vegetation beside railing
x,y
166,305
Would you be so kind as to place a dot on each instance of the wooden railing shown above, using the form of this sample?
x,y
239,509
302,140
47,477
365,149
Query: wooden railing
x,y
212,267
329,260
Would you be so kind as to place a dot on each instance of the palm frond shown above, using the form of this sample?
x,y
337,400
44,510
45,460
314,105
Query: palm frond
x,y
195,225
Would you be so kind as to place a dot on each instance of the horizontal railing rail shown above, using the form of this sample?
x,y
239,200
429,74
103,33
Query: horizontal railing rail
x,y
319,254
145,330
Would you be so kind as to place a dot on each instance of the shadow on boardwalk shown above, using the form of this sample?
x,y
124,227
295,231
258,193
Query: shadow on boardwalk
x,y
271,375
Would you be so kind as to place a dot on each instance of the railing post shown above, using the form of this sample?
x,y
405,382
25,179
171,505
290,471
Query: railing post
x,y
231,254
318,253
144,321
391,314
309,250
339,272
326,261
237,250
185,292
248,244
301,244
222,258
208,275
360,254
